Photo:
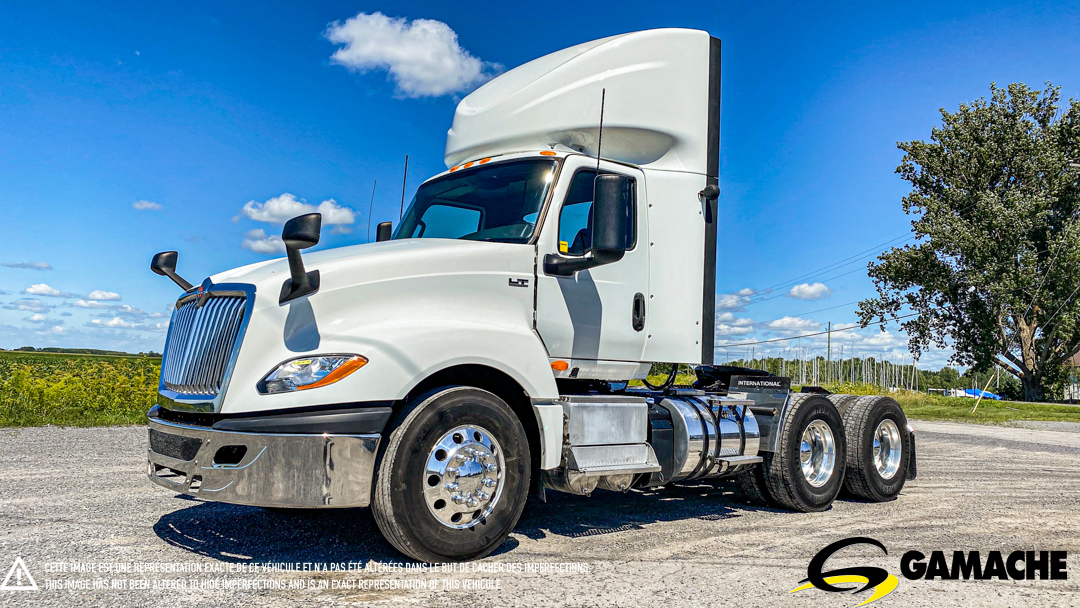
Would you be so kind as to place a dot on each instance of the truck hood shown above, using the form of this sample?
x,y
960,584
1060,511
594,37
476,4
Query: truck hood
x,y
371,262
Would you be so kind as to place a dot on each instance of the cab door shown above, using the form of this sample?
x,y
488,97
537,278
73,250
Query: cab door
x,y
601,313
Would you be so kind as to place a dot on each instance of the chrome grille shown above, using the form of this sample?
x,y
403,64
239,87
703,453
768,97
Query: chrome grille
x,y
200,344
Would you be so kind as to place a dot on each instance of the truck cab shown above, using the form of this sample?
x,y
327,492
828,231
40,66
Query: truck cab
x,y
483,352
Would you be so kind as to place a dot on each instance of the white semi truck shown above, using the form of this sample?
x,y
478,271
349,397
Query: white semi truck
x,y
481,353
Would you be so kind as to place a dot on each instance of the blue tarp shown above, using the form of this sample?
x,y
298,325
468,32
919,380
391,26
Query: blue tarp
x,y
974,392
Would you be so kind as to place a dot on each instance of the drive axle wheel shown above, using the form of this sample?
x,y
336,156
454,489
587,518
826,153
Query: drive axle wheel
x,y
880,450
453,477
806,472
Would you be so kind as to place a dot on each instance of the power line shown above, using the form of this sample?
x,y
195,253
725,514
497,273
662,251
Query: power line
x,y
810,312
843,262
780,295
866,253
1061,307
808,335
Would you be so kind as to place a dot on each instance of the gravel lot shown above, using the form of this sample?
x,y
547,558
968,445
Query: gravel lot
x,y
81,496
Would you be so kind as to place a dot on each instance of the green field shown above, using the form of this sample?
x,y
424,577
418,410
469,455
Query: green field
x,y
920,406
74,389
98,390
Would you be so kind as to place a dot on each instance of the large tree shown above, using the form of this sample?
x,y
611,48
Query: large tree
x,y
994,270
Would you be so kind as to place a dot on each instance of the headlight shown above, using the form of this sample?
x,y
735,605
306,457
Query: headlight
x,y
309,372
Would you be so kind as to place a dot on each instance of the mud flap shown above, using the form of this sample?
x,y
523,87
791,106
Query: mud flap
x,y
912,470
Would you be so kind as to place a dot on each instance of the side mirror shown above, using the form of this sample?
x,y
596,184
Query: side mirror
x,y
612,210
299,233
164,264
384,231
302,231
612,215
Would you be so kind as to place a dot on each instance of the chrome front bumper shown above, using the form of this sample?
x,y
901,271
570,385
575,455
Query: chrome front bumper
x,y
276,470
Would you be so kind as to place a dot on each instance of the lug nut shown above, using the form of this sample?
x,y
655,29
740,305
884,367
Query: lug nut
x,y
457,498
488,482
490,467
482,495
472,502
451,487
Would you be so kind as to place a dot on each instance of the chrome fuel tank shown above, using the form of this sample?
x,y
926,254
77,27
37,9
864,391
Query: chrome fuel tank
x,y
710,436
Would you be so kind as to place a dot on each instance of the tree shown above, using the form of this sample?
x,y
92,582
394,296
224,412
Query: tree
x,y
995,267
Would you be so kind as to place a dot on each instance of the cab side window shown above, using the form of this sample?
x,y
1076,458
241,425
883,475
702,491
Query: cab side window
x,y
575,218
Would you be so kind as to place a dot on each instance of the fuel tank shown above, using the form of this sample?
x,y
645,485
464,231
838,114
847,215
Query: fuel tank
x,y
698,436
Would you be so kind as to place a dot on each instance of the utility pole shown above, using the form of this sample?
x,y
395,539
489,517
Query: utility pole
x,y
829,341
828,354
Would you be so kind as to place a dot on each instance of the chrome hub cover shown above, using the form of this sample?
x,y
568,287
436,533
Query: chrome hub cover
x,y
887,449
463,478
817,453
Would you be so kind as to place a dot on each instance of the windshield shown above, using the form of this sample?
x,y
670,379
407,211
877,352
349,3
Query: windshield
x,y
497,202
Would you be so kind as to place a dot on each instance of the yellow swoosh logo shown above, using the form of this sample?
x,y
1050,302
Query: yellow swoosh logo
x,y
880,591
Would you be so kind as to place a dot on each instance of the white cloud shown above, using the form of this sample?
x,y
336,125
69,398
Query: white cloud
x,y
258,241
724,329
41,289
422,57
281,209
98,294
36,318
734,301
127,311
115,322
29,305
807,291
28,265
57,329
793,325
146,206
90,304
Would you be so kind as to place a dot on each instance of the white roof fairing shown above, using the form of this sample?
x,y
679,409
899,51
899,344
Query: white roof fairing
x,y
655,110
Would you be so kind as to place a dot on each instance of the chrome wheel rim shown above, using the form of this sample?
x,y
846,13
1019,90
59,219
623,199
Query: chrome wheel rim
x,y
463,478
817,453
887,449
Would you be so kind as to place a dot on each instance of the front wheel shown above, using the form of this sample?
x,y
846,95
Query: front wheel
x,y
806,472
454,476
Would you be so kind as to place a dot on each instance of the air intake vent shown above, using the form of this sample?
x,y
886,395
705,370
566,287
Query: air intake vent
x,y
174,446
201,342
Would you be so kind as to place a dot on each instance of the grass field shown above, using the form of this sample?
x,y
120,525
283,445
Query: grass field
x,y
99,390
75,390
921,406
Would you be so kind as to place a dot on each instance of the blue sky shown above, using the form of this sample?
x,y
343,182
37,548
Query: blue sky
x,y
130,128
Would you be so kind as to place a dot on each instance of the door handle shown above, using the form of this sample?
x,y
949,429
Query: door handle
x,y
639,312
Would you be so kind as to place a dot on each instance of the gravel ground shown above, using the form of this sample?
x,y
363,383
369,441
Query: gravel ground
x,y
80,496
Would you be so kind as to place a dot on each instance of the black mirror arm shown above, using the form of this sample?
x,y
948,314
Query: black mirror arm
x,y
164,264
179,280
563,266
300,283
299,233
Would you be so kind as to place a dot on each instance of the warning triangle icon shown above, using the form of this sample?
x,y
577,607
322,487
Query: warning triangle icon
x,y
18,578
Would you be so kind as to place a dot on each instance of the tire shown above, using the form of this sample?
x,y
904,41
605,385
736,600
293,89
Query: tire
x,y
785,480
752,487
843,403
407,493
864,418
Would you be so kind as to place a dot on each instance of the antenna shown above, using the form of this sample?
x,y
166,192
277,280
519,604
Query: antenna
x,y
404,178
371,206
600,137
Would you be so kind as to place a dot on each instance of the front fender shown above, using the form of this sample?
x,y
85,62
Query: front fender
x,y
409,321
